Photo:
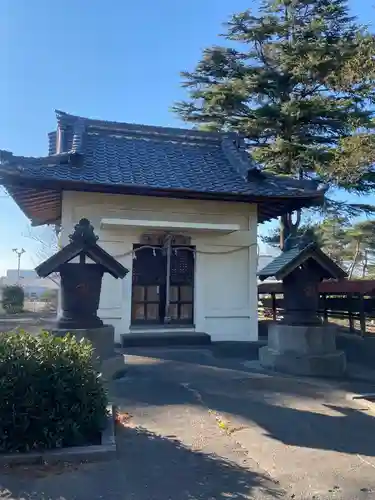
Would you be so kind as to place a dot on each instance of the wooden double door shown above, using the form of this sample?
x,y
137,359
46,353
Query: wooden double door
x,y
161,296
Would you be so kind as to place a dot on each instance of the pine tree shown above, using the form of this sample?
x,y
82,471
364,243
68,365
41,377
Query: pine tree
x,y
331,235
351,246
299,83
360,247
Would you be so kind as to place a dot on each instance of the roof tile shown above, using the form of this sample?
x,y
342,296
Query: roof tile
x,y
280,262
158,158
138,159
301,251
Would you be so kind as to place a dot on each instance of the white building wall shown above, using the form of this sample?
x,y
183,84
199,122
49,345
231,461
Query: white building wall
x,y
225,302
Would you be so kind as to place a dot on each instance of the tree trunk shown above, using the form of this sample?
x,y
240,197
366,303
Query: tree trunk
x,y
365,263
284,230
288,227
355,259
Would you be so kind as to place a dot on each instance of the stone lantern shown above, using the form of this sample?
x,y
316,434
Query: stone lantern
x,y
80,290
300,343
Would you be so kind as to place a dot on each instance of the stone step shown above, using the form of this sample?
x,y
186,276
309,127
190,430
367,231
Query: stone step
x,y
164,338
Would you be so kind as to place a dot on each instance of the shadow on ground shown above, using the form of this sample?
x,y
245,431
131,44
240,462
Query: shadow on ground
x,y
150,467
192,474
246,361
314,419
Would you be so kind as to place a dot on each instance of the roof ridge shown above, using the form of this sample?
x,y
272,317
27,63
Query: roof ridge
x,y
237,156
9,157
65,119
19,162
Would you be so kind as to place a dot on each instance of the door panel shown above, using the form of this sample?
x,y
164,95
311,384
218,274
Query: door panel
x,y
150,290
149,266
182,267
186,293
182,286
146,304
149,272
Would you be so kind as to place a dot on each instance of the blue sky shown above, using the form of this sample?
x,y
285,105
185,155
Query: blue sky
x,y
115,60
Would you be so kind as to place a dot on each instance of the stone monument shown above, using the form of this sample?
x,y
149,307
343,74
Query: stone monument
x,y
80,294
301,344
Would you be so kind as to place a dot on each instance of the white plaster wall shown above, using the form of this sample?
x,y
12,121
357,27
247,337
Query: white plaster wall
x,y
225,265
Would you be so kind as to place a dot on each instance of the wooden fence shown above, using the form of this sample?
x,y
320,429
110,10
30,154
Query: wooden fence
x,y
350,304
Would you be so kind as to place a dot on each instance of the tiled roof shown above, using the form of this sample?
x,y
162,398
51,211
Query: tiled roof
x,y
279,263
100,153
156,157
288,260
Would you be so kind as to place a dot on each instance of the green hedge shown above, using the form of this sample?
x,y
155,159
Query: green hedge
x,y
50,393
13,299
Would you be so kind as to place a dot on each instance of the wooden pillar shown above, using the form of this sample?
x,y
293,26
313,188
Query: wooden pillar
x,y
362,315
350,312
274,310
325,310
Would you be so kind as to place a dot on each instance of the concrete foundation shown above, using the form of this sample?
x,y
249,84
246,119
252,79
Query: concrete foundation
x,y
303,350
109,363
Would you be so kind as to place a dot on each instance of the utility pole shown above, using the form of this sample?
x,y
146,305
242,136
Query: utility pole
x,y
19,253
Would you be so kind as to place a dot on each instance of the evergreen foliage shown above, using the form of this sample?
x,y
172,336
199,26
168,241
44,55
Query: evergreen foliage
x,y
298,80
13,299
352,246
50,393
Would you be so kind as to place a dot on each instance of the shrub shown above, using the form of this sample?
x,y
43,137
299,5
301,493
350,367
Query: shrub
x,y
13,299
50,393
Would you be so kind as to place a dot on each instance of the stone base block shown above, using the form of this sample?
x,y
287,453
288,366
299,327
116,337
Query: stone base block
x,y
303,350
331,364
304,339
113,367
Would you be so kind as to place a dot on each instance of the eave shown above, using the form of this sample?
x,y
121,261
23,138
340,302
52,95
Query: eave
x,y
332,269
72,250
311,251
41,200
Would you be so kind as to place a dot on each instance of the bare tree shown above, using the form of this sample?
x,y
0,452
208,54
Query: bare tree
x,y
47,238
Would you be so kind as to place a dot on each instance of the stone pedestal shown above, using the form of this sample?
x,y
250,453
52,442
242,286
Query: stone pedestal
x,y
109,363
303,350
